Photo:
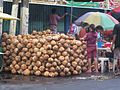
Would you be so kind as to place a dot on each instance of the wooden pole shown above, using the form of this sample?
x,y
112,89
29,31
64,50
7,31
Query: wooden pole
x,y
1,21
14,12
71,11
24,16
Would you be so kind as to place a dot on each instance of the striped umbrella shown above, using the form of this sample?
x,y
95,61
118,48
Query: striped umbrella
x,y
98,18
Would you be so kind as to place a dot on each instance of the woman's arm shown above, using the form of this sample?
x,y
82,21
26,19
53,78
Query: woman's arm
x,y
85,37
113,41
64,15
104,41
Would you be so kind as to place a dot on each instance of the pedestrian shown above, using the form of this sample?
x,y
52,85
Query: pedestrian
x,y
54,18
82,32
91,39
100,35
116,43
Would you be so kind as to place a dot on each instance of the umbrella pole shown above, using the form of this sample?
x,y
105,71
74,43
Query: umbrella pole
x,y
71,11
1,21
14,12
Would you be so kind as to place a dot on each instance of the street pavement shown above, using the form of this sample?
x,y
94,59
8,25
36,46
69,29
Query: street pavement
x,y
82,82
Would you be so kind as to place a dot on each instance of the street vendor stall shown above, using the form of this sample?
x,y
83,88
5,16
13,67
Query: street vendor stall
x,y
43,53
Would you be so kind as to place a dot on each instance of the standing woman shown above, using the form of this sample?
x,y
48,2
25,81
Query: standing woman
x,y
91,38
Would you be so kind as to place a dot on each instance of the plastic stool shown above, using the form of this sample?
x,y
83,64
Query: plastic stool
x,y
102,61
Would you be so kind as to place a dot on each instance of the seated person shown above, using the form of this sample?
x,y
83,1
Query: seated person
x,y
74,31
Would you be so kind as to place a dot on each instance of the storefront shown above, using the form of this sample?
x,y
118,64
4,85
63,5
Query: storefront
x,y
39,15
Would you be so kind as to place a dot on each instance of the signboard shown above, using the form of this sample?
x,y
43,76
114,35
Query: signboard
x,y
114,3
89,4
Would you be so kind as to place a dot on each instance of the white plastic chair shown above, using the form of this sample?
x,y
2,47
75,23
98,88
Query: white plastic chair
x,y
102,61
114,64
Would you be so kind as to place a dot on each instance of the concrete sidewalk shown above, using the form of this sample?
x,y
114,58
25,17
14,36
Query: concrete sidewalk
x,y
79,82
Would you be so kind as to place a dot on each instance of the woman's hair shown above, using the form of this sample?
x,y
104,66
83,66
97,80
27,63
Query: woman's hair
x,y
99,27
84,24
92,26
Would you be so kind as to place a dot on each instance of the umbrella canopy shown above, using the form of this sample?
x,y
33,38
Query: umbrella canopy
x,y
7,16
98,18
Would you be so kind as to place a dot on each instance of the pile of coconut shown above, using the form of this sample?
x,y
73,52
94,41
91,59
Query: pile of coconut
x,y
44,54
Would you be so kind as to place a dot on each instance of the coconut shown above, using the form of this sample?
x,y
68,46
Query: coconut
x,y
17,67
35,68
66,70
62,74
26,72
44,53
53,42
74,64
46,73
37,73
55,47
13,71
41,68
61,49
61,58
23,66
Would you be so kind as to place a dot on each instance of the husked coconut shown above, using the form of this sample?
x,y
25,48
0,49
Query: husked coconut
x,y
37,73
23,66
52,69
51,74
35,68
53,42
62,74
61,49
13,71
41,68
66,70
44,53
75,72
26,72
54,64
46,73
17,67
38,63
74,64
61,58
55,47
